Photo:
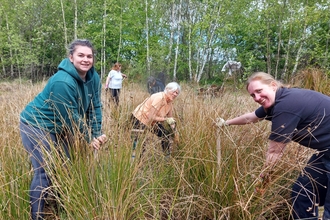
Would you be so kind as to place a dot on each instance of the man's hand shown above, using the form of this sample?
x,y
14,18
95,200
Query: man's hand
x,y
220,122
99,141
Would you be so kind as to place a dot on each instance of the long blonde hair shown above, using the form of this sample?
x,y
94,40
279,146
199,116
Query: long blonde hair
x,y
264,78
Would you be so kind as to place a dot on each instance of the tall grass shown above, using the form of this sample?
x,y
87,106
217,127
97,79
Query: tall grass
x,y
188,185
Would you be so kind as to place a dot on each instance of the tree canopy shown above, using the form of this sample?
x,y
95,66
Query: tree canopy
x,y
187,39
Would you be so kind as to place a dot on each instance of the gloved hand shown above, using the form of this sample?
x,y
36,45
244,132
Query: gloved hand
x,y
170,121
170,126
220,122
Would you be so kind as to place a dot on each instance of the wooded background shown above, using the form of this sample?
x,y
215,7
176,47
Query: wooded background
x,y
188,40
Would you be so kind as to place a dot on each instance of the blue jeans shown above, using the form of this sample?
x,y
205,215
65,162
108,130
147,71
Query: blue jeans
x,y
310,189
37,141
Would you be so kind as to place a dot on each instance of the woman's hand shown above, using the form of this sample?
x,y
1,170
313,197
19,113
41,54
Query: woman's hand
x,y
99,141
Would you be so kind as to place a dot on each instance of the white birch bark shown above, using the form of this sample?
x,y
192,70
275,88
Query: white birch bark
x,y
170,46
120,33
206,50
147,38
189,42
104,31
299,52
177,41
286,63
75,18
64,26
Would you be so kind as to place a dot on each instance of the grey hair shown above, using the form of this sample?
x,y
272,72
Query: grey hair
x,y
172,86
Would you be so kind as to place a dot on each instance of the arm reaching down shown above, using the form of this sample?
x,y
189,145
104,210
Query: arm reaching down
x,y
274,152
244,119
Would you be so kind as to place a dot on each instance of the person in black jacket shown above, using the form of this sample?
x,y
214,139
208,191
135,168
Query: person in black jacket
x,y
155,85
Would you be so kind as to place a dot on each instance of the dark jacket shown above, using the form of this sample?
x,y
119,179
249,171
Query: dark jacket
x,y
155,86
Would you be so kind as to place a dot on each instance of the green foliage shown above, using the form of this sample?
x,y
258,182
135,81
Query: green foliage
x,y
273,36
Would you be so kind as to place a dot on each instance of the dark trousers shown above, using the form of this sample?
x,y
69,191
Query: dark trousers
x,y
310,189
157,129
115,95
37,142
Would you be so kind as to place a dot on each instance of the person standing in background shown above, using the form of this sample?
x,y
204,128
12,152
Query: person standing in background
x,y
114,82
154,85
69,107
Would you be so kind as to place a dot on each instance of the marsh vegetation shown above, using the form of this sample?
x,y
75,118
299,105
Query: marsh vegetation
x,y
192,184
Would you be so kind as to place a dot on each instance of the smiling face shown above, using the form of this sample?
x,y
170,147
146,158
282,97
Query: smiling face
x,y
264,94
82,58
171,95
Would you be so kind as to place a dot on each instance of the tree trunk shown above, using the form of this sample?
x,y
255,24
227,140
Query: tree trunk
x,y
177,42
103,50
299,52
147,39
189,45
327,47
171,38
286,64
3,66
75,18
10,48
207,47
64,25
279,43
269,63
120,31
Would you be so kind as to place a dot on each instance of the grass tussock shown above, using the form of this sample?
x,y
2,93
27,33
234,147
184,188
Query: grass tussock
x,y
196,182
314,79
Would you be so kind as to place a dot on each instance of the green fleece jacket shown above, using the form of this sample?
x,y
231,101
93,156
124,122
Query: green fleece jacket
x,y
67,103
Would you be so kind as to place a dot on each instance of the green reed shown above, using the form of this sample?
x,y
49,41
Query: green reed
x,y
190,184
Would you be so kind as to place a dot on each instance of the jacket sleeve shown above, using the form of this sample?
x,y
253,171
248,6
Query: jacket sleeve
x,y
94,111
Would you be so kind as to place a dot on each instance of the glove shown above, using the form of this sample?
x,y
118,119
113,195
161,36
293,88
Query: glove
x,y
170,121
169,127
220,122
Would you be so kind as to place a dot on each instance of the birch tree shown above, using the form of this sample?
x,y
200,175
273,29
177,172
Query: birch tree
x,y
147,37
9,46
103,49
170,43
75,18
203,53
64,24
177,40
